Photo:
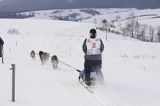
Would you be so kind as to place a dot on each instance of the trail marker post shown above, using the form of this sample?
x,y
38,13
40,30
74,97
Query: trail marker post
x,y
13,81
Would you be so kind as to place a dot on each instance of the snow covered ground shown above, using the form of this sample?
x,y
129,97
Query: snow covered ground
x,y
131,68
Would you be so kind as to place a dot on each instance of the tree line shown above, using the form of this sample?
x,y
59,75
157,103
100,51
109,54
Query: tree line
x,y
131,28
15,15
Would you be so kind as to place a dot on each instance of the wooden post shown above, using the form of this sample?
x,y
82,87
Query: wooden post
x,y
13,82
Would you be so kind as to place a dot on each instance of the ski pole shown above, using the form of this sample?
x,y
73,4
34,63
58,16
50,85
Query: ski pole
x,y
69,66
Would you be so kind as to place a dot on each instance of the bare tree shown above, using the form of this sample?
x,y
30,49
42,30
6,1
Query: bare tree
x,y
142,33
95,22
118,18
130,25
124,32
105,26
151,33
158,33
137,26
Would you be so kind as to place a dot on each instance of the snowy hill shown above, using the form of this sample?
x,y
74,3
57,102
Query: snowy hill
x,y
146,20
130,67
73,14
89,15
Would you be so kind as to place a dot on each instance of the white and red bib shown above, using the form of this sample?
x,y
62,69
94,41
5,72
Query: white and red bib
x,y
93,46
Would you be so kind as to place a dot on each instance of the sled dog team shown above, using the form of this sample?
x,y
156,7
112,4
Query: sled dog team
x,y
44,57
92,47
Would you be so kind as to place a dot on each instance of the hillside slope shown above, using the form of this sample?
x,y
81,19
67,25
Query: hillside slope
x,y
130,67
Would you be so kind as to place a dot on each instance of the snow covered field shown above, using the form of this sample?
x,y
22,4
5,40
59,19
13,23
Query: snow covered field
x,y
131,68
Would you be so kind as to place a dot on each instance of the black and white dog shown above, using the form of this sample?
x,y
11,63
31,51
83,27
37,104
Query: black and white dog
x,y
54,61
42,56
32,54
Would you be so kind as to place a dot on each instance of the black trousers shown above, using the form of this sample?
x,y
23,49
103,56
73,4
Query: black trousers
x,y
1,48
92,66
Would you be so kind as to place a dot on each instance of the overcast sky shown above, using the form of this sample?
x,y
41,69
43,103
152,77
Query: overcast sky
x,y
21,5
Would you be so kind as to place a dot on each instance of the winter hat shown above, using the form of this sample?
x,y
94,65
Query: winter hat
x,y
93,31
